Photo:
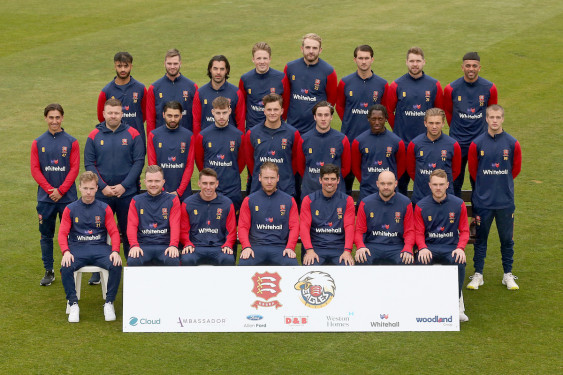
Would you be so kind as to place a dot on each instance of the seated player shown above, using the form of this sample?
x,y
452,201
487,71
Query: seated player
x,y
208,225
268,223
153,225
385,226
327,222
85,226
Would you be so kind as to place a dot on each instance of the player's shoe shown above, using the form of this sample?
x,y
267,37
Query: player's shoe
x,y
476,281
74,313
95,279
508,280
48,278
462,316
109,312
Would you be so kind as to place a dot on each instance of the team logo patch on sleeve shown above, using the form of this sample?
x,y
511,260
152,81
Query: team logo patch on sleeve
x,y
182,147
332,152
397,217
185,95
135,97
284,143
481,100
505,154
98,221
272,90
388,151
339,212
444,154
316,289
124,141
232,145
282,209
375,96
317,84
64,151
452,217
219,213
427,96
164,213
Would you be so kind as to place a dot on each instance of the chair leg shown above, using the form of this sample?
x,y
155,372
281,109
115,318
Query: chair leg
x,y
78,283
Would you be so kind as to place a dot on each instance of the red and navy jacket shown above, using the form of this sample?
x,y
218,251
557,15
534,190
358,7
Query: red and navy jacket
x,y
88,224
465,105
133,97
355,95
55,162
317,149
173,150
385,224
116,157
373,154
327,223
208,223
268,220
306,86
203,106
494,163
222,150
424,156
441,224
182,90
407,100
154,220
253,87
278,146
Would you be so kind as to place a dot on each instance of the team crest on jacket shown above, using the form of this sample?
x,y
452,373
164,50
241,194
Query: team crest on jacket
x,y
317,84
477,220
182,147
272,90
427,95
124,141
481,100
375,96
219,213
444,154
388,151
232,145
316,289
282,209
452,217
164,213
504,154
135,97
284,143
397,217
98,221
266,287
64,151
40,218
185,95
339,212
332,152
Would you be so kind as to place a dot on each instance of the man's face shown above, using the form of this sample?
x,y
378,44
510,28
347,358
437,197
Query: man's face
x,y
208,186
269,180
377,122
172,118
112,115
261,60
415,64
218,72
311,50
221,116
495,120
54,120
363,60
88,191
329,183
323,117
438,186
471,70
386,183
123,69
273,111
172,66
154,183
434,125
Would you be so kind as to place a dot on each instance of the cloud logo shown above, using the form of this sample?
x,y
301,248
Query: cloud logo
x,y
133,321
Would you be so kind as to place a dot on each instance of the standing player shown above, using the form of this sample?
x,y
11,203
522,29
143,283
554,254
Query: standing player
x,y
320,146
495,159
431,151
82,238
55,161
310,80
172,86
441,229
171,147
408,99
218,71
376,150
268,223
219,147
273,141
209,226
385,226
129,91
327,222
153,224
259,82
465,102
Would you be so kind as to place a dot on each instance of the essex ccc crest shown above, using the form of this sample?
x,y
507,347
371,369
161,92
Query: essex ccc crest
x,y
388,151
316,289
182,147
282,209
185,95
397,217
504,154
219,213
266,287
444,154
165,213
284,143
317,84
232,145
339,212
427,96
452,217
64,151
332,152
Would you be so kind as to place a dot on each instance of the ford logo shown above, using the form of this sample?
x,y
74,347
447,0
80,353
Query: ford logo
x,y
254,317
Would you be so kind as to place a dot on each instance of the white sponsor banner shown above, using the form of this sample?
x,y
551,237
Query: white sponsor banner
x,y
282,299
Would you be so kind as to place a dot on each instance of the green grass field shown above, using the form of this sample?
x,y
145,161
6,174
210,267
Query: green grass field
x,y
63,51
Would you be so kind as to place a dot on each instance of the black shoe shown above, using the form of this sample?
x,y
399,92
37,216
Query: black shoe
x,y
48,278
95,279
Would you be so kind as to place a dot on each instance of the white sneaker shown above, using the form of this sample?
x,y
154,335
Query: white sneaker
x,y
476,281
508,280
74,313
462,316
109,312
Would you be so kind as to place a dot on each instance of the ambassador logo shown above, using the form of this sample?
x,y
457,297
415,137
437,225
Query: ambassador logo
x,y
266,287
317,289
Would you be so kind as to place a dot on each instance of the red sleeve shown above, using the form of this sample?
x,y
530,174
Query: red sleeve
x,y
419,229
439,99
132,224
293,226
286,92
349,218
391,103
185,226
356,160
150,110
249,153
101,101
493,95
472,161
300,158
244,224
113,232
456,161
305,223
240,111
295,149
448,103
196,113
361,227
241,156
408,230
64,230
144,105
36,171
463,228
231,228
151,152
341,99
199,151
174,222
346,157
400,158
242,89
188,171
331,87
411,161
516,160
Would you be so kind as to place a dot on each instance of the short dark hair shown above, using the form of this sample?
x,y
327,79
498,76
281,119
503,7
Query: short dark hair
x,y
471,56
53,107
377,107
207,172
363,48
270,98
221,102
329,169
322,103
124,57
172,105
218,58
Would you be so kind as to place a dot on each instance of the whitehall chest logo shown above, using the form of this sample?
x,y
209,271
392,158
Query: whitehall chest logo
x,y
316,288
266,287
